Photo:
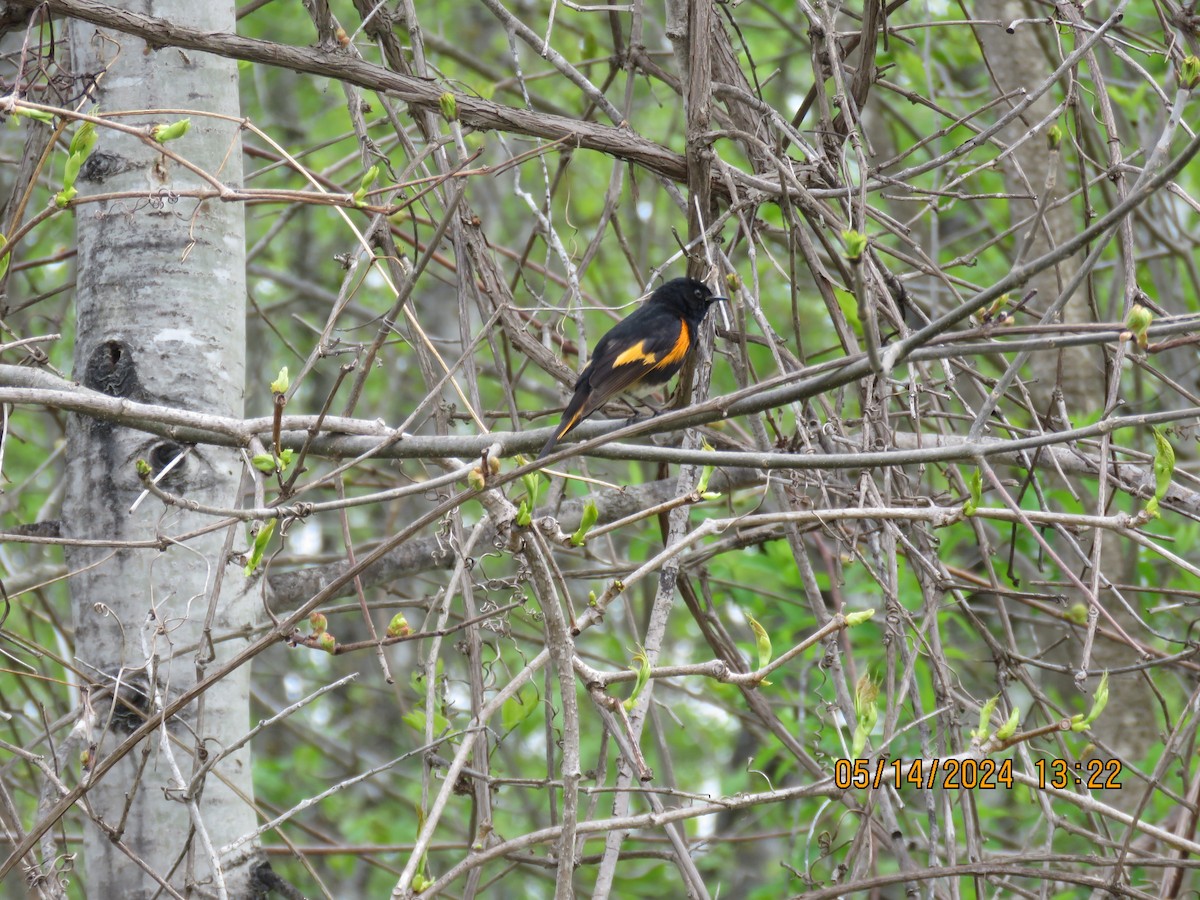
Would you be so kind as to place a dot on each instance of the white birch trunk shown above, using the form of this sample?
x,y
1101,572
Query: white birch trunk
x,y
161,293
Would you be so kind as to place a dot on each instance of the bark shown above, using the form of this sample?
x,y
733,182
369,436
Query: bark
x,y
160,305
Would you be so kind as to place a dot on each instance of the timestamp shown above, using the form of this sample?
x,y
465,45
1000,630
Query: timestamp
x,y
1094,774
967,773
951,773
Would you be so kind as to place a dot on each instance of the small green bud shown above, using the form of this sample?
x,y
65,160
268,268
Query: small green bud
x,y
318,622
857,618
449,104
1009,728
993,311
143,468
475,479
1077,613
1138,322
1054,136
398,627
985,718
1189,72
174,131
975,485
733,282
326,642
856,244
524,516
282,382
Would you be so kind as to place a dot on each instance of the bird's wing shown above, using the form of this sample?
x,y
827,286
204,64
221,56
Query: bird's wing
x,y
621,362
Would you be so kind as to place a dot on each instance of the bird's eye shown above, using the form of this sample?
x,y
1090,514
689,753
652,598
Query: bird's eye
x,y
697,293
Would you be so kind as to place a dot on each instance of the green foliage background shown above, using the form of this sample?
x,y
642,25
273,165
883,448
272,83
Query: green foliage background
x,y
946,233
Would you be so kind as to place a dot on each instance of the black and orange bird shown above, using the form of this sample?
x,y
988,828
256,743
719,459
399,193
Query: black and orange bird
x,y
643,350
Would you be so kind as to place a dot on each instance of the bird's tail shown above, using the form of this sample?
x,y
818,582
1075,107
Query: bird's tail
x,y
570,418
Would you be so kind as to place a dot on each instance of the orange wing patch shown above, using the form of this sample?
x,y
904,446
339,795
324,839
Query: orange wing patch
x,y
682,344
637,353
564,427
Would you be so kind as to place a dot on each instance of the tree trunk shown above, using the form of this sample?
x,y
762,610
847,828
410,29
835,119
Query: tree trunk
x,y
161,294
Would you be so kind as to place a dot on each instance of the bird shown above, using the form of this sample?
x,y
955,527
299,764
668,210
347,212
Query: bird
x,y
643,350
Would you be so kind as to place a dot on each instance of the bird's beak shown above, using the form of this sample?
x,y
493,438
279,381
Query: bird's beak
x,y
718,299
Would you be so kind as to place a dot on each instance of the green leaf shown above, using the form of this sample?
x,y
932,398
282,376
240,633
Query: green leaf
x,y
590,516
260,545
264,462
36,114
416,719
71,170
269,463
83,141
866,710
641,665
849,307
533,484
282,382
1098,703
368,179
975,486
1164,463
1164,468
706,474
985,719
519,707
762,642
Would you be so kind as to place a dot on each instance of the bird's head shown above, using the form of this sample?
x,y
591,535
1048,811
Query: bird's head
x,y
687,296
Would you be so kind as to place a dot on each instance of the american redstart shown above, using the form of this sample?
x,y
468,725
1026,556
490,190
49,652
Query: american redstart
x,y
644,350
